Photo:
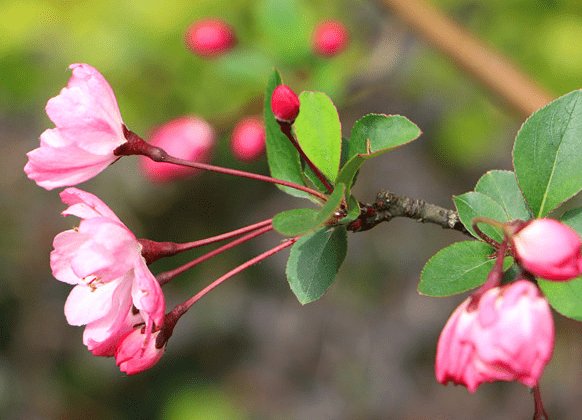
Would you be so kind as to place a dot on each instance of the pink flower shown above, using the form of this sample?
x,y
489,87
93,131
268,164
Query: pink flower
x,y
133,357
189,138
248,139
549,249
285,104
102,258
88,129
330,38
210,37
507,336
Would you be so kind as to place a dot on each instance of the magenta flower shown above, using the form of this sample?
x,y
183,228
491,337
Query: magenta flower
x,y
133,357
330,38
210,37
248,139
189,138
88,129
102,258
549,249
508,335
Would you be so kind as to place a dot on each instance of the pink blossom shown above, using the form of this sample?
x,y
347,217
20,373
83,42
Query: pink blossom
x,y
507,336
189,138
549,249
248,139
285,103
210,37
88,129
102,259
133,357
330,38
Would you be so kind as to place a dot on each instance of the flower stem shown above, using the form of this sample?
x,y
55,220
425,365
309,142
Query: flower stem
x,y
495,276
475,224
183,307
167,276
152,250
135,145
539,413
286,129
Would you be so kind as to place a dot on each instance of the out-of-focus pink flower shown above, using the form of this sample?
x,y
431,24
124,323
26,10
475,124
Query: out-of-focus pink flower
x,y
189,138
210,37
132,356
549,249
329,38
88,129
102,258
285,104
507,336
248,139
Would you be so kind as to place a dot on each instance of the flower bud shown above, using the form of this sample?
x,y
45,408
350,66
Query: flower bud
x,y
548,249
508,335
189,138
136,353
210,37
248,139
329,38
285,104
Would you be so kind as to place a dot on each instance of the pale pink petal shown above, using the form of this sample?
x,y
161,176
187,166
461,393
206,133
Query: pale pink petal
x,y
147,295
87,304
85,205
65,245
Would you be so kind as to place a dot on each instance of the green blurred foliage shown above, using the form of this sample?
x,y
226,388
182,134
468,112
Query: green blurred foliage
x,y
540,36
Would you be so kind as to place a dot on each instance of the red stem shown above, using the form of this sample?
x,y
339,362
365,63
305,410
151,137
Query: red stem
x,y
167,276
135,145
539,413
286,129
183,307
495,276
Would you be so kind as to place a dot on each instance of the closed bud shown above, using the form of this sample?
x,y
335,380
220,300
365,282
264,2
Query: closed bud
x,y
330,38
548,249
285,104
138,352
248,139
210,37
507,335
189,138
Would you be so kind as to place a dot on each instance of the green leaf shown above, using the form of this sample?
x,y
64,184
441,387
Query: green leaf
x,y
502,187
319,132
314,262
476,204
547,154
373,135
353,211
457,268
299,221
564,296
282,157
573,218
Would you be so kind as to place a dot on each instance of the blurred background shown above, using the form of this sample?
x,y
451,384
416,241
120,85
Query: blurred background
x,y
249,350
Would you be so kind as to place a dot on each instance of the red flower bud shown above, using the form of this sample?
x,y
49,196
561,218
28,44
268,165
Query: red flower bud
x,y
210,37
285,104
549,249
248,139
330,38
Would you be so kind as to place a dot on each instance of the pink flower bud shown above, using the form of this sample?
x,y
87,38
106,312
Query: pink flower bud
x,y
189,138
137,352
285,104
248,139
508,335
330,38
210,37
549,249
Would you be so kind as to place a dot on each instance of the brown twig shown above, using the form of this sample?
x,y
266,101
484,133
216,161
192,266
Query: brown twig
x,y
490,68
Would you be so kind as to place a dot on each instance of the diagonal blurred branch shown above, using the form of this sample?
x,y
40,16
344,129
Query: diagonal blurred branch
x,y
490,68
